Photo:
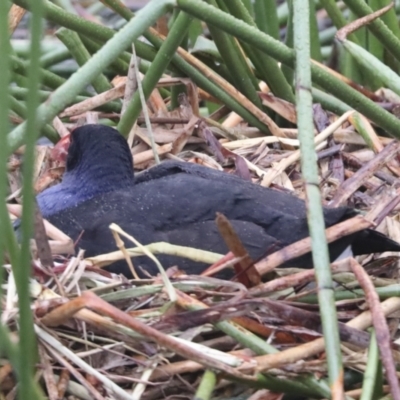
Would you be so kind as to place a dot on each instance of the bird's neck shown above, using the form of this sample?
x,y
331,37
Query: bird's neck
x,y
99,177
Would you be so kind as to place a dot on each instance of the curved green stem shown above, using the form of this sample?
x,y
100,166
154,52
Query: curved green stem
x,y
110,51
73,42
283,54
157,68
266,67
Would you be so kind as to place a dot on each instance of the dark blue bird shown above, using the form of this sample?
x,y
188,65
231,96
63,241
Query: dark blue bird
x,y
176,202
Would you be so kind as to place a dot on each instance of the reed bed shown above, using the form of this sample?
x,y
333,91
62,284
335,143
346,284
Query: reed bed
x,y
207,82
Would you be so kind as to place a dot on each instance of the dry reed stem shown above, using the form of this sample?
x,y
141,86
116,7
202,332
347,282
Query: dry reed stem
x,y
352,184
16,13
303,246
381,328
363,321
232,91
295,156
94,102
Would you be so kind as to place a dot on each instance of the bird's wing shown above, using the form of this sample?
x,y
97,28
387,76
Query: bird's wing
x,y
98,239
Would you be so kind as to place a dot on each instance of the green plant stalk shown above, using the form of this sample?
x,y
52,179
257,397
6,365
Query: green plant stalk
x,y
21,49
370,386
177,90
295,387
66,70
119,66
383,293
20,80
285,55
329,102
101,60
20,93
371,43
21,111
389,18
287,71
244,337
22,270
359,124
326,52
327,35
266,17
120,8
195,31
7,237
350,69
127,14
201,81
249,6
314,34
315,216
377,27
143,50
163,58
348,66
197,77
54,57
225,98
259,346
206,386
49,79
242,75
5,50
98,32
372,64
336,16
266,66
75,23
72,41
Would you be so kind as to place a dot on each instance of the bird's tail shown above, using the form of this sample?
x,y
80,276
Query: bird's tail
x,y
370,241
